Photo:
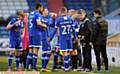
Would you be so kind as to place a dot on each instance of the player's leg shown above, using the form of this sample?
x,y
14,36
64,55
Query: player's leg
x,y
37,42
64,49
69,48
17,59
21,53
10,57
30,52
35,56
74,59
23,59
47,60
60,61
17,54
66,60
11,53
29,57
45,54
56,54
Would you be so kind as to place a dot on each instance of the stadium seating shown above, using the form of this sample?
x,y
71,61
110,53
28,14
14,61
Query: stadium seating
x,y
78,4
31,3
9,7
44,2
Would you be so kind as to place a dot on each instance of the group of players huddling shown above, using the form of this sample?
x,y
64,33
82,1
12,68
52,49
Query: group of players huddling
x,y
67,30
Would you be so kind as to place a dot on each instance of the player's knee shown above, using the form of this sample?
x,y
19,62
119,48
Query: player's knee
x,y
30,50
74,52
12,52
35,51
65,53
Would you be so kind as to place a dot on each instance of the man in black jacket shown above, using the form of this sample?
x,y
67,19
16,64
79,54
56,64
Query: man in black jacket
x,y
100,37
85,36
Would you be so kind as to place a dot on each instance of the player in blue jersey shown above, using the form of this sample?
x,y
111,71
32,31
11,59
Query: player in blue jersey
x,y
74,58
15,43
35,36
46,49
64,23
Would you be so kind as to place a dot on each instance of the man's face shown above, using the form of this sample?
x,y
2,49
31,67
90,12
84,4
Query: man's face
x,y
82,15
71,12
40,9
20,17
95,15
46,12
75,15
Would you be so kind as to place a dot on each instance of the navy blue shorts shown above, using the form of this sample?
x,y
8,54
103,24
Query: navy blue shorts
x,y
15,44
35,41
45,45
65,44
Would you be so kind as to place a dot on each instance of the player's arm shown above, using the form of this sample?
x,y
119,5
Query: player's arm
x,y
58,33
39,23
50,39
38,20
11,24
74,31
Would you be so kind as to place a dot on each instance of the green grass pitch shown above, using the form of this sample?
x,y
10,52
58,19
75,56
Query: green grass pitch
x,y
3,67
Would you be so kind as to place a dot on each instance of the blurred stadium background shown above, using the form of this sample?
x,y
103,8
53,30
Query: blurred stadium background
x,y
111,9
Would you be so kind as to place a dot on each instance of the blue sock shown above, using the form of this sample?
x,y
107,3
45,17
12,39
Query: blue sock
x,y
29,58
70,63
43,60
47,59
66,62
55,60
17,61
34,61
10,61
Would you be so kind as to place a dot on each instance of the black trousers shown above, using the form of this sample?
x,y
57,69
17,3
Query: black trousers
x,y
86,51
101,49
79,56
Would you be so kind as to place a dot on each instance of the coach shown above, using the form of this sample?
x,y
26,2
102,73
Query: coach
x,y
99,43
84,35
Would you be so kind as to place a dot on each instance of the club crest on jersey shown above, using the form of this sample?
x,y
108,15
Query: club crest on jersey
x,y
65,18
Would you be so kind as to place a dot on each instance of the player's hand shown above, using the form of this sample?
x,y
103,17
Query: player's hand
x,y
91,44
17,23
45,25
49,39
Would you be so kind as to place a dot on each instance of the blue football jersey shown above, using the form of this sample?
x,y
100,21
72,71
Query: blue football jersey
x,y
65,25
45,20
34,29
15,32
